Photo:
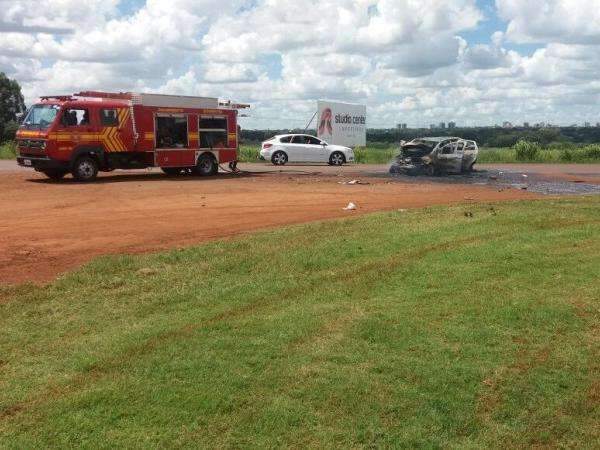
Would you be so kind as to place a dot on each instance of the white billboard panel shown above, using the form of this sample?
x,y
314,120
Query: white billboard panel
x,y
342,123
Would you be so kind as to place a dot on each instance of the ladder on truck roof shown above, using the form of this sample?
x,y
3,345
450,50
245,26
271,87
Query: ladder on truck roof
x,y
175,101
165,100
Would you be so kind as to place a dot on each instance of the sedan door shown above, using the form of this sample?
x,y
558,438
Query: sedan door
x,y
315,150
296,149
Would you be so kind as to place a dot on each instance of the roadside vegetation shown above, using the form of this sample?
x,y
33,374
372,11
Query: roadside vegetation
x,y
420,329
8,150
525,151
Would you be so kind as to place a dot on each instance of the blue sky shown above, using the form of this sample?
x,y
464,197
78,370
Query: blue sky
x,y
476,62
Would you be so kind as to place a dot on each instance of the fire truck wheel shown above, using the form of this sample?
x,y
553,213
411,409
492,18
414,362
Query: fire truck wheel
x,y
85,169
172,170
207,165
279,158
54,174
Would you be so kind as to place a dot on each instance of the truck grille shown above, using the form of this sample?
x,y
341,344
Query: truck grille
x,y
32,143
31,146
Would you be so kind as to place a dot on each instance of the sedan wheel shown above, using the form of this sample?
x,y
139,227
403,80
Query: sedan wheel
x,y
337,159
279,158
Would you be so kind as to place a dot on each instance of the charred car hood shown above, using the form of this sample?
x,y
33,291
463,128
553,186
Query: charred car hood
x,y
415,150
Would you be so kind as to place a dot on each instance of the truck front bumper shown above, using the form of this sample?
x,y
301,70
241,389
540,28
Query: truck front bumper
x,y
41,163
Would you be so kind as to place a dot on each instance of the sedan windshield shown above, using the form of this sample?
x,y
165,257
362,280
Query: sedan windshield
x,y
40,116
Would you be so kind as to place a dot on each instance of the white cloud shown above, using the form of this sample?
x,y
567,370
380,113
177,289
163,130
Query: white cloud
x,y
408,60
545,21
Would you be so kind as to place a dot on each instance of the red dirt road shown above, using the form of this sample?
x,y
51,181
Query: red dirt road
x,y
47,228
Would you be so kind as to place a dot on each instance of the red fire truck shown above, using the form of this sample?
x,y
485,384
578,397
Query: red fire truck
x,y
100,131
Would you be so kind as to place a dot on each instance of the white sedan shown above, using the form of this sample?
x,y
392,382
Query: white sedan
x,y
286,148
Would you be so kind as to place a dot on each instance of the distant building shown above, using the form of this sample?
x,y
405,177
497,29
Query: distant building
x,y
526,125
432,126
598,124
402,126
443,125
587,124
507,124
451,125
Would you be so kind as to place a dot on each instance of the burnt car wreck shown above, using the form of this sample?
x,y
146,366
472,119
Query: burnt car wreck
x,y
435,156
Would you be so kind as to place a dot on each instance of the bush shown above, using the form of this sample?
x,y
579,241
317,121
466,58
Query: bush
x,y
592,151
527,151
8,150
588,153
248,153
370,155
9,131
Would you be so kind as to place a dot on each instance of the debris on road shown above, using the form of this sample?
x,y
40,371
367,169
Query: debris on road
x,y
353,182
351,207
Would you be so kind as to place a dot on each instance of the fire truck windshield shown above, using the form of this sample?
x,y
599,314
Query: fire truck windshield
x,y
40,116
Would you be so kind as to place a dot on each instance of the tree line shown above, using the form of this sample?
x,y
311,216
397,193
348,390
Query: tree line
x,y
485,136
12,104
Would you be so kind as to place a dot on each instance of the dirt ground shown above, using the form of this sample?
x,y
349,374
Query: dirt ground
x,y
47,228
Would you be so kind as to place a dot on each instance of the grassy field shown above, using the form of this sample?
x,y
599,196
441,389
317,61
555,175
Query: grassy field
x,y
554,155
8,150
422,328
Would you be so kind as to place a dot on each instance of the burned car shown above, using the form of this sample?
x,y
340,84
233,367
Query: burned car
x,y
435,156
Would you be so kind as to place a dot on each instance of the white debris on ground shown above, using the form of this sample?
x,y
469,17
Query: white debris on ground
x,y
352,182
351,207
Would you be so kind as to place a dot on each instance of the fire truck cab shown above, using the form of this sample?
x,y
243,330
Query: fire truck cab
x,y
98,131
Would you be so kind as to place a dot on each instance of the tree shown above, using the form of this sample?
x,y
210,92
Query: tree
x,y
11,104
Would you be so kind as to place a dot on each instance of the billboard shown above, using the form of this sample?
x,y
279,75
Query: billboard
x,y
342,123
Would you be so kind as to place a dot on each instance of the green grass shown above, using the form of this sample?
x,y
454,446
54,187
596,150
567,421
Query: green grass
x,y
565,154
8,150
412,329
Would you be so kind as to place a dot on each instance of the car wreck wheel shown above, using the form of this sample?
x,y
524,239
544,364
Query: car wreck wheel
x,y
431,171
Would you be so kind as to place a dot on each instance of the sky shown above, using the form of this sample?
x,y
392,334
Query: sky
x,y
475,62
